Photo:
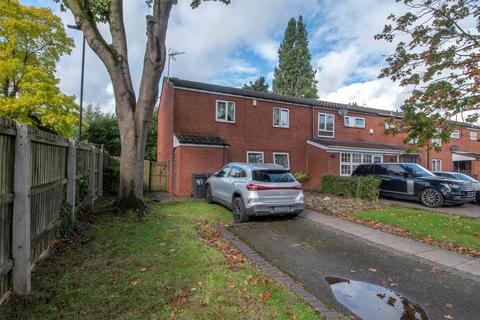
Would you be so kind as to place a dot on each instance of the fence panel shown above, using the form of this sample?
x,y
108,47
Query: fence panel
x,y
7,152
158,176
83,168
48,188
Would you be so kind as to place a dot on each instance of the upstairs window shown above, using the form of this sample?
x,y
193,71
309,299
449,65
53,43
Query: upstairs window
x,y
225,111
437,141
281,117
354,122
326,125
455,134
473,135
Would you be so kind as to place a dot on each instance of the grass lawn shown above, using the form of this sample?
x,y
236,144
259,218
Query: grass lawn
x,y
157,268
444,228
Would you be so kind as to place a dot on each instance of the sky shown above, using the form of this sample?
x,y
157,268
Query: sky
x,y
233,44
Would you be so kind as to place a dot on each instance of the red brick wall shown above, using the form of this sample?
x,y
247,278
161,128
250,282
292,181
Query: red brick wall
x,y
319,164
195,160
252,130
165,129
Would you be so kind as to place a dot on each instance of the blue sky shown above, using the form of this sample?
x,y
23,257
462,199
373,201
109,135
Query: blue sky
x,y
233,44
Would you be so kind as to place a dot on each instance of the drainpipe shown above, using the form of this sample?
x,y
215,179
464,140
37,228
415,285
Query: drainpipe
x,y
313,122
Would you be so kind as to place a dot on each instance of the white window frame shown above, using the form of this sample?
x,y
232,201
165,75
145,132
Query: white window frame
x,y
439,161
474,133
282,154
352,122
288,117
318,125
226,111
261,152
437,141
455,134
350,163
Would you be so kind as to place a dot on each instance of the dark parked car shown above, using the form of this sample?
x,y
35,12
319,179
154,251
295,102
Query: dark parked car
x,y
463,177
411,181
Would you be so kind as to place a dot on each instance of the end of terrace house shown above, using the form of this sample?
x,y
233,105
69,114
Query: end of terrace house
x,y
202,126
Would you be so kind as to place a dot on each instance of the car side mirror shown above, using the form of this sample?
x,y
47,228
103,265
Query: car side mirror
x,y
215,174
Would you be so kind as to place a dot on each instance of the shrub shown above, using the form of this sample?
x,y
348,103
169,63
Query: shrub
x,y
68,223
359,187
111,179
301,177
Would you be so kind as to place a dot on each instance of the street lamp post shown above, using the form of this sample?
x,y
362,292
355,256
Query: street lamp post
x,y
81,82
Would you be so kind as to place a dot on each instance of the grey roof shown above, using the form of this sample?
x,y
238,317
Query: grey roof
x,y
276,97
202,86
194,139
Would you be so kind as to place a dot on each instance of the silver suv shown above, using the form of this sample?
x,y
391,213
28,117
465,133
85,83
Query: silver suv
x,y
255,190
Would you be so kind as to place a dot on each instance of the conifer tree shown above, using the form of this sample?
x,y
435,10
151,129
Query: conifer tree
x,y
294,75
258,85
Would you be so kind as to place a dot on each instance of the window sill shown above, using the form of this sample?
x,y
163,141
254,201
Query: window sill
x,y
224,121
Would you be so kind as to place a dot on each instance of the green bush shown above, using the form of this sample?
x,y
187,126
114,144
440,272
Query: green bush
x,y
111,179
68,223
301,177
358,187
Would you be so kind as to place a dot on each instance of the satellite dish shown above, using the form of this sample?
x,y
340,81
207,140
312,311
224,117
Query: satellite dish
x,y
342,112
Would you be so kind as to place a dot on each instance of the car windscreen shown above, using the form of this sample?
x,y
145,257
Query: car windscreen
x,y
272,176
417,171
464,177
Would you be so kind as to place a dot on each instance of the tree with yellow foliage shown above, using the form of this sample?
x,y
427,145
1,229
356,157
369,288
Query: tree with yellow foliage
x,y
32,40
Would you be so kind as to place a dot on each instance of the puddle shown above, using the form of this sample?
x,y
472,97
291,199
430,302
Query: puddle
x,y
370,302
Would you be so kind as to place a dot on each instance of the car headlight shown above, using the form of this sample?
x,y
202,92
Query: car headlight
x,y
451,186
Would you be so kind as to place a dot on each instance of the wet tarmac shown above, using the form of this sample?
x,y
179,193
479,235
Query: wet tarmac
x,y
375,282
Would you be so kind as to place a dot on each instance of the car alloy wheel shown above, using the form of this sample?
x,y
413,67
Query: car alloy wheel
x,y
239,211
432,198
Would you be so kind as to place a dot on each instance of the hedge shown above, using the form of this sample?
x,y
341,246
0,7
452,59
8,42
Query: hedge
x,y
111,179
359,187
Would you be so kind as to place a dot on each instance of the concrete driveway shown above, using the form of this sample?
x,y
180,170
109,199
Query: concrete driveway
x,y
468,210
317,255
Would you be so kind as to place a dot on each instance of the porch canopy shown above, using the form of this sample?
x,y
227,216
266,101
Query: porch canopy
x,y
331,145
464,156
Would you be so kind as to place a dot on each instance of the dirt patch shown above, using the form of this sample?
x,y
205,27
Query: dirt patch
x,y
342,207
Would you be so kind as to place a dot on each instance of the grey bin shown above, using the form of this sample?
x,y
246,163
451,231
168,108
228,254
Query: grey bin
x,y
199,181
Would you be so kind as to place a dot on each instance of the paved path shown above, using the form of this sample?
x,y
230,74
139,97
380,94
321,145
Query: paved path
x,y
468,210
462,265
310,251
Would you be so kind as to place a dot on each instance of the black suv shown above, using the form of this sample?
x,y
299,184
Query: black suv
x,y
413,182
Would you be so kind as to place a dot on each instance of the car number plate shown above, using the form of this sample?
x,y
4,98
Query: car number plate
x,y
281,209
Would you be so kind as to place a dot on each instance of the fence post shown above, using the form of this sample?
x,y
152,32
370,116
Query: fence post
x,y
71,174
100,172
91,178
21,213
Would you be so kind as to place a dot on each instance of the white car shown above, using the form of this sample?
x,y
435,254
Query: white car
x,y
255,190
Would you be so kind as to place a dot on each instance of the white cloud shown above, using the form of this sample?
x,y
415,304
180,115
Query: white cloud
x,y
335,67
379,93
268,50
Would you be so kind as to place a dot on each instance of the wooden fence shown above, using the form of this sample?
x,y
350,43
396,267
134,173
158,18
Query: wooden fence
x,y
39,173
155,174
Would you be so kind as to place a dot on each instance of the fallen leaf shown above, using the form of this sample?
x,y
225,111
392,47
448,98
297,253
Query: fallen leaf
x,y
393,284
134,282
449,305
372,269
142,269
232,285
266,295
447,317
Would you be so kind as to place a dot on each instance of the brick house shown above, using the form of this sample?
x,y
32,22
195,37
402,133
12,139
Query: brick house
x,y
202,126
